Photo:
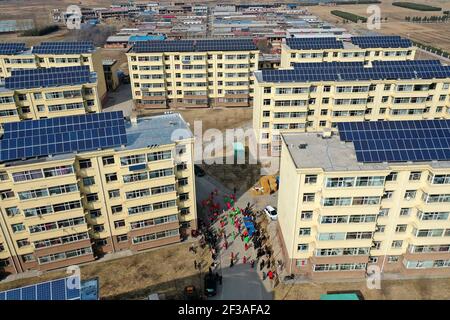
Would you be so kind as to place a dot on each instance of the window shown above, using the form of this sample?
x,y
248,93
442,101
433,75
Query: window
x,y
267,89
88,181
410,194
23,243
184,196
116,209
111,177
266,102
373,259
308,197
304,232
91,197
404,212
95,213
302,247
6,194
12,211
415,176
393,259
28,257
400,228
183,182
392,176
384,212
108,160
18,227
387,195
266,113
85,164
114,193
306,215
397,244
99,228
310,179
376,245
119,224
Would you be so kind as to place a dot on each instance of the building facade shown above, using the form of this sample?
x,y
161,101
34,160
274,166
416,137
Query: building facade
x,y
355,49
14,56
317,96
133,189
339,216
193,73
73,91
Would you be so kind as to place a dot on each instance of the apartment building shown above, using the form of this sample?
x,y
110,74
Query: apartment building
x,y
377,195
32,94
355,49
193,73
317,96
74,188
15,56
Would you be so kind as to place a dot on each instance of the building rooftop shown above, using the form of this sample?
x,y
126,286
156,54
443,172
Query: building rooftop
x,y
194,45
337,153
64,47
357,71
365,42
63,137
49,77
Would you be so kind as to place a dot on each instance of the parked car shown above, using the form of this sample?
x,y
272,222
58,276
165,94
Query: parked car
x,y
199,172
210,285
271,212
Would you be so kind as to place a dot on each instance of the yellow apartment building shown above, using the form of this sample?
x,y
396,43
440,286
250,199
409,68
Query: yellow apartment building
x,y
47,93
340,214
355,49
317,96
93,184
15,56
193,73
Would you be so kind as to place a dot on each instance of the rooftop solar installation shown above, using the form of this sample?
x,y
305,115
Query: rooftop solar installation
x,y
64,47
194,45
398,141
61,289
12,48
48,77
381,42
354,71
314,43
41,138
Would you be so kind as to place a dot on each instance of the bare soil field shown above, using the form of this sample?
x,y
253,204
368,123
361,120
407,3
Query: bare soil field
x,y
435,34
416,289
165,270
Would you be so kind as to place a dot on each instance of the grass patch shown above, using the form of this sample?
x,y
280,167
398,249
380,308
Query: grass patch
x,y
349,16
416,6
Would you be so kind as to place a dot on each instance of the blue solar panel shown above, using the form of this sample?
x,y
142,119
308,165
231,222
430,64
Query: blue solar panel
x,y
12,48
64,47
350,71
51,290
194,45
314,43
48,77
398,141
40,138
381,42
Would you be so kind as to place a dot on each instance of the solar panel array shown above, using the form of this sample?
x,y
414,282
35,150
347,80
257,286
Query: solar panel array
x,y
60,289
12,48
337,71
194,45
48,77
398,141
64,47
40,138
381,42
314,43
225,45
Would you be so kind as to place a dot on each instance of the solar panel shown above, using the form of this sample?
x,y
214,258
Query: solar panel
x,y
398,141
351,71
48,77
12,48
52,290
381,42
314,43
64,47
194,45
40,138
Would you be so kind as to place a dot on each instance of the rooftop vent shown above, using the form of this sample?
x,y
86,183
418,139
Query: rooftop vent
x,y
302,146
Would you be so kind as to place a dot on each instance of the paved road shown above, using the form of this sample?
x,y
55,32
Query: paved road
x,y
240,282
